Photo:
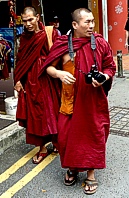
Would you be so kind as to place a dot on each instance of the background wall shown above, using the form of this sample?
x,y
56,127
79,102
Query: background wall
x,y
63,9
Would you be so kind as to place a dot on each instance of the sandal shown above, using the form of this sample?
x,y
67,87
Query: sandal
x,y
42,157
71,174
90,183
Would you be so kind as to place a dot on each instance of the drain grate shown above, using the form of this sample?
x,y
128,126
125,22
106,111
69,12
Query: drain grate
x,y
119,121
4,123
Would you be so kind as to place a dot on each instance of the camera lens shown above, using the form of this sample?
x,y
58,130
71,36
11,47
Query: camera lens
x,y
88,78
99,77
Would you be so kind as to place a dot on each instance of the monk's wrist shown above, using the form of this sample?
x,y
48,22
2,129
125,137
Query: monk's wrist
x,y
18,83
58,72
107,76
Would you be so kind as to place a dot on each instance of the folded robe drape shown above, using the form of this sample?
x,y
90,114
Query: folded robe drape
x,y
35,110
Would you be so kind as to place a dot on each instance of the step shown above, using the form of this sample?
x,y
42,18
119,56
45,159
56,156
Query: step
x,y
10,132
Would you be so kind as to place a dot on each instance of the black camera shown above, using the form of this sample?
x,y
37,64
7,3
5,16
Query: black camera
x,y
94,73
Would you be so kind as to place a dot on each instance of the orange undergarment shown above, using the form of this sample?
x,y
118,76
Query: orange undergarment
x,y
67,94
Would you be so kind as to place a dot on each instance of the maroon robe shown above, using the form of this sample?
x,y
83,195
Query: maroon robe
x,y
34,105
82,135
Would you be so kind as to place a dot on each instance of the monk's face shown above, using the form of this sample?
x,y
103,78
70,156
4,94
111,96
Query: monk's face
x,y
85,26
30,21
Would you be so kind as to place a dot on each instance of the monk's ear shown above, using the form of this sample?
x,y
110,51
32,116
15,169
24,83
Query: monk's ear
x,y
37,16
74,24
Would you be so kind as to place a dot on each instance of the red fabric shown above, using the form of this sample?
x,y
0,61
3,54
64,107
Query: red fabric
x,y
60,47
82,136
37,101
13,14
4,50
4,74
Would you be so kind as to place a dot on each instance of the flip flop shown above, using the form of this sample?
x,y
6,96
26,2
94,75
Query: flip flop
x,y
71,174
42,155
90,183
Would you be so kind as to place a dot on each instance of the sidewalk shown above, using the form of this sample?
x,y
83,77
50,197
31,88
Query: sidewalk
x,y
118,103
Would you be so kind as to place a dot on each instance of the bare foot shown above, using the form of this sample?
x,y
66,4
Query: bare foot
x,y
55,150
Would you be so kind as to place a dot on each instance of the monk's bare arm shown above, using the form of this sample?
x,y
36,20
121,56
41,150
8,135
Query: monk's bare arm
x,y
51,70
126,38
64,76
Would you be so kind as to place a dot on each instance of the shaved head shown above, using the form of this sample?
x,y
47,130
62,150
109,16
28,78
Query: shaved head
x,y
76,15
28,9
30,19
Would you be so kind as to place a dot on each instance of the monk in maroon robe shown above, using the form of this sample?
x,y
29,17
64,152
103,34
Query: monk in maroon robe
x,y
32,108
83,122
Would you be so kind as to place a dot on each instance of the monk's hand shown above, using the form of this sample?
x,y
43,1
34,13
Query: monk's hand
x,y
95,83
66,77
126,45
18,87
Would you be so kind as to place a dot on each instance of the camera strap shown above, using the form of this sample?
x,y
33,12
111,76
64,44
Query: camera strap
x,y
93,47
70,46
71,51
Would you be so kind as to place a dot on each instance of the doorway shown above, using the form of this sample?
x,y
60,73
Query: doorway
x,y
62,9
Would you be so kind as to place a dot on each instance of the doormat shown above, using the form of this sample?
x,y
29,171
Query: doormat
x,y
119,121
4,123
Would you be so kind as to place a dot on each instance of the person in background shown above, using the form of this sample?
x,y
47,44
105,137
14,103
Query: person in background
x,y
55,23
83,121
32,108
127,34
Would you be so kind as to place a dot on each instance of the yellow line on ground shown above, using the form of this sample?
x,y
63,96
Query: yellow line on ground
x,y
27,178
18,164
21,162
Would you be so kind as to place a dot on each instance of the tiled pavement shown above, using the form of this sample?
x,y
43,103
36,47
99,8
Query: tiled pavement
x,y
119,121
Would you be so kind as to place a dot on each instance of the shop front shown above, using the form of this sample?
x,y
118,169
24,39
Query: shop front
x,y
7,48
110,17
117,16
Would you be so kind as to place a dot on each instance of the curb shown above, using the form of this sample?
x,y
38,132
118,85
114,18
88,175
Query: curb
x,y
10,135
